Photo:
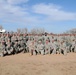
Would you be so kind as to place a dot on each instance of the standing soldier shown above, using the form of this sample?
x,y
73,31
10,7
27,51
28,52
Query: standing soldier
x,y
63,47
2,37
55,46
28,45
16,49
13,39
3,51
47,46
23,46
9,48
73,45
6,38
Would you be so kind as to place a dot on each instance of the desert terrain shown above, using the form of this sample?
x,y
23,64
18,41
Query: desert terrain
x,y
25,64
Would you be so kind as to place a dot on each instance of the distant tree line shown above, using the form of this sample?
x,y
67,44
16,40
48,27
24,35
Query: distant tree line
x,y
72,31
37,31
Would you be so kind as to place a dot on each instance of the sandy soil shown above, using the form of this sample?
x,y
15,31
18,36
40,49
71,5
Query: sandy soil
x,y
24,64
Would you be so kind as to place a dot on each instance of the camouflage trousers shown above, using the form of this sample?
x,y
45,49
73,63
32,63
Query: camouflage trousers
x,y
47,51
54,50
33,52
75,49
64,51
42,51
72,48
1,54
10,51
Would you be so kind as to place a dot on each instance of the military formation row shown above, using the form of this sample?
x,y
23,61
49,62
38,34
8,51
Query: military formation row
x,y
43,44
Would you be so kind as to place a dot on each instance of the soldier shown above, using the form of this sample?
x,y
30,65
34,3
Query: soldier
x,y
2,37
36,43
13,38
41,47
47,46
28,43
32,48
3,51
23,46
68,46
9,48
73,45
25,40
19,44
6,38
55,46
16,49
63,47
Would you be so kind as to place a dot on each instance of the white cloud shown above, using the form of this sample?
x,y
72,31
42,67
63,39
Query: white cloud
x,y
10,12
53,12
16,1
16,14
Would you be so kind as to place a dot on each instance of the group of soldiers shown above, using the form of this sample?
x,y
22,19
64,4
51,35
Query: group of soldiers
x,y
43,44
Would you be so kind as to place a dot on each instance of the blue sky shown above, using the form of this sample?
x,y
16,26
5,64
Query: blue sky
x,y
55,16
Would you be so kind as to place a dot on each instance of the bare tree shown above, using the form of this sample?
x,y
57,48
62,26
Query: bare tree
x,y
18,30
24,30
1,27
37,31
72,31
33,31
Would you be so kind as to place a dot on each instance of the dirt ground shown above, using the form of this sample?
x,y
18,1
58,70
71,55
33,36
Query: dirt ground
x,y
25,64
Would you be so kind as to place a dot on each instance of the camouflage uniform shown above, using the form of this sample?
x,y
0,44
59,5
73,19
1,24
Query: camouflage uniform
x,y
47,47
16,49
63,48
3,51
32,48
73,45
55,46
23,46
9,48
41,47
